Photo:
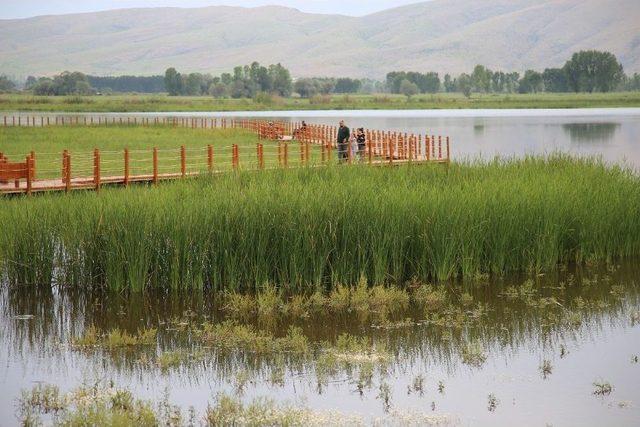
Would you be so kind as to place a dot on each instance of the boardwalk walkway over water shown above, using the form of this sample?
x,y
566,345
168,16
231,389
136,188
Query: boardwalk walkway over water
x,y
282,145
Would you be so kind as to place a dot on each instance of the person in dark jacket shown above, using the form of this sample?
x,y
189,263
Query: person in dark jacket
x,y
344,134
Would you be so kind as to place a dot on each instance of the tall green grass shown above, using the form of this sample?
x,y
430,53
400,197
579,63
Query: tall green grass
x,y
316,228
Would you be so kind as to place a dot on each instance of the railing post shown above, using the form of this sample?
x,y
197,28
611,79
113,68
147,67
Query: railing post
x,y
126,167
96,168
67,186
370,151
234,157
155,165
183,161
33,161
29,174
439,147
260,156
65,154
210,157
286,155
306,152
448,151
301,144
410,150
279,153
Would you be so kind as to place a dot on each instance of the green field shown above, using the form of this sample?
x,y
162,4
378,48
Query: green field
x,y
308,229
49,143
159,103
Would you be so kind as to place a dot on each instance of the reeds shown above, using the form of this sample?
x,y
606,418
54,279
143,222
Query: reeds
x,y
314,230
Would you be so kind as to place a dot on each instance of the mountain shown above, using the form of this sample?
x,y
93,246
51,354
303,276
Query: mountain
x,y
439,35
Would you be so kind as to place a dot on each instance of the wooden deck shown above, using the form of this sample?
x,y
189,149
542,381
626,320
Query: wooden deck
x,y
313,145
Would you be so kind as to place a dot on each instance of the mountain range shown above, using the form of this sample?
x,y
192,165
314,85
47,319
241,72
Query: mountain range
x,y
439,35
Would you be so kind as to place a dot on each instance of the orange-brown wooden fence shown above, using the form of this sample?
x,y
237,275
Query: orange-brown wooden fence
x,y
284,144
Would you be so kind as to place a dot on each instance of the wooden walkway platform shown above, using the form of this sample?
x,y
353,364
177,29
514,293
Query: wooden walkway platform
x,y
283,146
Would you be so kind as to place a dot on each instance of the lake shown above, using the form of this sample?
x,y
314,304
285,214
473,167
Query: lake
x,y
612,133
585,323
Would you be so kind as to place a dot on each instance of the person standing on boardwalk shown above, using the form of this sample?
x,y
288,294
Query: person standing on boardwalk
x,y
362,142
343,141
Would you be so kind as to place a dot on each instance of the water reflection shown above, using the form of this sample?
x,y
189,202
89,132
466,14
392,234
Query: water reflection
x,y
591,132
563,313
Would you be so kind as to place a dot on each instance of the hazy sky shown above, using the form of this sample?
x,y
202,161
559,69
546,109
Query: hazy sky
x,y
26,8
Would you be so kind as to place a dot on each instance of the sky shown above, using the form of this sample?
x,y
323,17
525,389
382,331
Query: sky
x,y
11,9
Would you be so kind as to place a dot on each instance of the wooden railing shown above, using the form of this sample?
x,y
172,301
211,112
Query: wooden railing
x,y
314,145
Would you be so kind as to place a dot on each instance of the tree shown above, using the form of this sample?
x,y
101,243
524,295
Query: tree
x,y
430,83
449,85
408,88
531,82
481,78
347,85
592,70
173,82
555,80
281,79
464,84
30,83
305,88
44,87
6,85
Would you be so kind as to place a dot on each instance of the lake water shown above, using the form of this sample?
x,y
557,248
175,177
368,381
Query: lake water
x,y
586,324
612,133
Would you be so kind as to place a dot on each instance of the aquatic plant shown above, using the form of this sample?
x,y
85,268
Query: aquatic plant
x,y
492,402
602,388
114,338
473,354
546,368
311,229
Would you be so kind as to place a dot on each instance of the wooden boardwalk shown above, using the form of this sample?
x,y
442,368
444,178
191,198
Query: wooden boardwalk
x,y
283,145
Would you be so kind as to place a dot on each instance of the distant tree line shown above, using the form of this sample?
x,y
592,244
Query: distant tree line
x,y
586,71
244,82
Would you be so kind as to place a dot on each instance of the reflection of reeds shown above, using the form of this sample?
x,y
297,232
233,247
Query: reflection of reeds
x,y
311,229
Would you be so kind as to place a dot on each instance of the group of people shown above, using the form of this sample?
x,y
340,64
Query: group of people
x,y
351,144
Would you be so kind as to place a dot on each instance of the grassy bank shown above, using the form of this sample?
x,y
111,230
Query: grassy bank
x,y
159,103
310,229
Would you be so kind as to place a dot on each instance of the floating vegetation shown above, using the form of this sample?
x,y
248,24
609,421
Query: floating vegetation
x,y
230,335
384,394
492,402
473,354
417,385
115,338
546,368
602,388
635,318
174,359
230,411
96,405
360,299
